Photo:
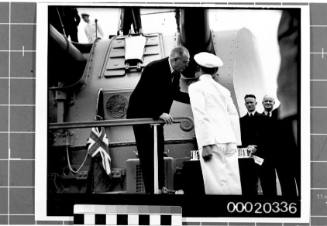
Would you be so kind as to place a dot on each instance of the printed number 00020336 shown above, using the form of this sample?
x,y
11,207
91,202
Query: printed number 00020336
x,y
262,208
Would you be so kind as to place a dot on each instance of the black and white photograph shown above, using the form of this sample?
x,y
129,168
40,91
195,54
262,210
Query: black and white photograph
x,y
174,105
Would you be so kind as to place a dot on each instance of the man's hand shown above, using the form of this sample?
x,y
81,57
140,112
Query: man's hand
x,y
207,152
167,118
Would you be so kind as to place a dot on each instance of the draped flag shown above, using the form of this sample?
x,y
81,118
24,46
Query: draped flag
x,y
98,144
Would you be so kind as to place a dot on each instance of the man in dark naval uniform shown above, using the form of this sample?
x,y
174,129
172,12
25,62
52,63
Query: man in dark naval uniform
x,y
152,98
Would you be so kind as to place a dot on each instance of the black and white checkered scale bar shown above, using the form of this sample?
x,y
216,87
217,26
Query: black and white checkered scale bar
x,y
127,215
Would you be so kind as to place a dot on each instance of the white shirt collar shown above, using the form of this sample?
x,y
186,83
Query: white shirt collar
x,y
205,76
251,113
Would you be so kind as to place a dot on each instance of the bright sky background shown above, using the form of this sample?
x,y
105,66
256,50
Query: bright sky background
x,y
262,23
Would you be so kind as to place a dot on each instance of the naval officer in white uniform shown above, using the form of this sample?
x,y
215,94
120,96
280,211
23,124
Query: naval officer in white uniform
x,y
217,128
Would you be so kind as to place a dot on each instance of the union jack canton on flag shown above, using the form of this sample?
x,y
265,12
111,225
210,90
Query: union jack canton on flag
x,y
98,144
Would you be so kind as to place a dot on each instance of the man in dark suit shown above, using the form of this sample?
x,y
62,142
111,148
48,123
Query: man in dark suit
x,y
269,133
250,135
71,21
130,16
279,142
152,98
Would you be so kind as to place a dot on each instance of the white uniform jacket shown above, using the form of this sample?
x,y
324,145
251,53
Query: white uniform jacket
x,y
93,32
216,123
215,116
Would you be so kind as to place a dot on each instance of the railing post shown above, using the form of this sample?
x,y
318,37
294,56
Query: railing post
x,y
155,159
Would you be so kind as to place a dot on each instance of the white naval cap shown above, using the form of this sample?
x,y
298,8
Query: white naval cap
x,y
208,60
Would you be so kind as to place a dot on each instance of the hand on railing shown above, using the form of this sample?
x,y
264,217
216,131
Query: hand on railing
x,y
168,119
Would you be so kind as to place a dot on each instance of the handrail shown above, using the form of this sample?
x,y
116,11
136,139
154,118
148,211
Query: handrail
x,y
186,123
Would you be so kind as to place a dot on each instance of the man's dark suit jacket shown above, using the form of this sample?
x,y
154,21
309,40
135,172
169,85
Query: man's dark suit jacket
x,y
250,135
270,130
155,91
153,95
250,129
269,127
282,150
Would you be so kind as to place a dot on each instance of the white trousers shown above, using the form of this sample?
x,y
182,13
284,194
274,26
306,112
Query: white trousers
x,y
221,173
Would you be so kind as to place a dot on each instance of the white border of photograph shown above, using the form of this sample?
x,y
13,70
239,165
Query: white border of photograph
x,y
41,106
